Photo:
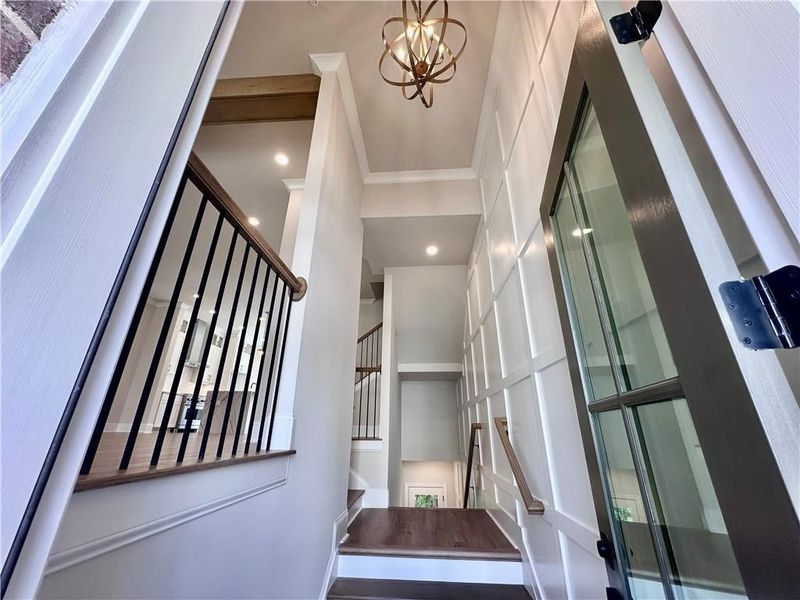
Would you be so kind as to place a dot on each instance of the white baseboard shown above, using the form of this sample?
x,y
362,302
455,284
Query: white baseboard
x,y
366,445
339,533
430,569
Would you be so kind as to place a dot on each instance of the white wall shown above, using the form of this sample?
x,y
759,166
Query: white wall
x,y
241,157
514,357
80,201
370,313
429,313
434,473
265,529
429,423
421,199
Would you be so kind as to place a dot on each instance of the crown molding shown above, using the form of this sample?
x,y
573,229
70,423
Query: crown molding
x,y
336,62
294,184
463,174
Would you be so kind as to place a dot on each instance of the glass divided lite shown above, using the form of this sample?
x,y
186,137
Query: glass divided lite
x,y
701,560
591,217
627,504
587,328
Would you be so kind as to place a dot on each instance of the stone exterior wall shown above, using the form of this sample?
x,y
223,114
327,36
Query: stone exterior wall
x,y
22,22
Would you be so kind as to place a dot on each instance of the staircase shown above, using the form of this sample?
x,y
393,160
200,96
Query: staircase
x,y
366,391
396,589
427,553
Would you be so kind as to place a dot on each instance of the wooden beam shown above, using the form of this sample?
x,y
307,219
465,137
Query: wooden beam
x,y
263,99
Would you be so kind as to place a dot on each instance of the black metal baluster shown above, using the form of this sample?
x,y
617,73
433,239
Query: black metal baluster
x,y
237,363
272,358
260,316
261,376
378,379
223,355
133,328
187,343
280,367
360,387
162,340
207,347
369,384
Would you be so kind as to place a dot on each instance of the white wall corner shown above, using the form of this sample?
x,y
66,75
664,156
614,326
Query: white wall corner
x,y
339,533
356,481
367,446
336,62
282,432
294,184
376,498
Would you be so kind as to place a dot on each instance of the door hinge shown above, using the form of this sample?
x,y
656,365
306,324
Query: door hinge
x,y
765,310
637,24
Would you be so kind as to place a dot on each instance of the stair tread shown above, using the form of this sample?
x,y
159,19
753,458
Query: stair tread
x,y
345,588
422,532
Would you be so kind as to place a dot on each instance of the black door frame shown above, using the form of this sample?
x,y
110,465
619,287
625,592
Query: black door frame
x,y
744,472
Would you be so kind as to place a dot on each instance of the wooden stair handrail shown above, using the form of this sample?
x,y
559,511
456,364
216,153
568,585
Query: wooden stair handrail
x,y
470,456
532,505
209,186
369,333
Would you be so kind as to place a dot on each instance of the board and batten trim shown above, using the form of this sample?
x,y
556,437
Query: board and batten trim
x,y
76,555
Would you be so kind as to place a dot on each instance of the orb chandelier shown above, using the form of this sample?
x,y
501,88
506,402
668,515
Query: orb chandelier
x,y
419,55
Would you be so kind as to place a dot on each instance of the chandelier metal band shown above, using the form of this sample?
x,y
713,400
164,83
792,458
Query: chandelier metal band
x,y
420,50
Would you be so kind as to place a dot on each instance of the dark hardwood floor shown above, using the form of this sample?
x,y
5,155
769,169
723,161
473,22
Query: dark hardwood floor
x,y
440,532
392,589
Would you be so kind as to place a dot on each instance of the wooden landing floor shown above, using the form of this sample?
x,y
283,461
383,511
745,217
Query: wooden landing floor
x,y
437,532
392,589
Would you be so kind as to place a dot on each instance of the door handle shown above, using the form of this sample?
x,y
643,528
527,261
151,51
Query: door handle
x,y
605,548
614,594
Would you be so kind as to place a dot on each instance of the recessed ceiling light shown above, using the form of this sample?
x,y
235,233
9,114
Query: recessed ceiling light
x,y
432,250
212,311
253,221
195,296
281,159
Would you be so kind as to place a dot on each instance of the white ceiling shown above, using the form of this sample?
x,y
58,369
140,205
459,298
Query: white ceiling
x,y
242,157
275,38
401,241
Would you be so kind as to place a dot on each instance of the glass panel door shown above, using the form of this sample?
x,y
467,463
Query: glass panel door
x,y
668,530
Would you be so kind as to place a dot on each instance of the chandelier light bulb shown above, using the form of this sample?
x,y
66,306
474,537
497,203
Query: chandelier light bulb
x,y
416,55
